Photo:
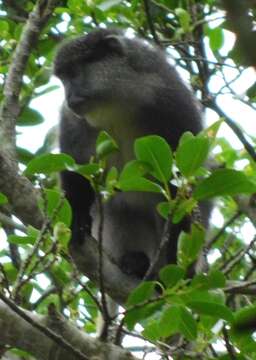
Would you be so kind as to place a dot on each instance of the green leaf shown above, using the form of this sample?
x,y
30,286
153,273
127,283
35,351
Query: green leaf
x,y
155,151
216,279
31,231
211,296
112,175
29,117
191,154
190,245
58,209
244,341
48,163
42,76
216,37
26,291
251,91
142,293
46,90
88,170
151,331
139,184
177,319
24,155
185,207
164,208
21,240
184,18
211,308
187,135
245,319
213,280
105,145
10,271
61,277
171,274
78,7
134,169
107,4
213,129
224,182
3,199
135,315
4,28
62,234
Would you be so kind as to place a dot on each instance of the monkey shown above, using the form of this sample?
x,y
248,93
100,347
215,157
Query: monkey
x,y
128,88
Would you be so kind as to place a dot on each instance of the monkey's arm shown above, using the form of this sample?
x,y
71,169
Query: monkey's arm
x,y
78,140
80,196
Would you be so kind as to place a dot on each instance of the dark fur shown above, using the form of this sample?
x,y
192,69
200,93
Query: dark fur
x,y
148,97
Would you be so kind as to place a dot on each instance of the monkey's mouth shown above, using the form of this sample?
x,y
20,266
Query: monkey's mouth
x,y
79,111
82,105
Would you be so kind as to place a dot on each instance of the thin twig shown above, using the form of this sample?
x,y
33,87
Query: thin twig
x,y
230,348
227,267
164,240
4,281
236,129
104,306
51,290
221,231
151,22
24,266
84,286
119,331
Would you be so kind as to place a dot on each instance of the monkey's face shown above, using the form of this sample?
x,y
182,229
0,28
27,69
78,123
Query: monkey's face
x,y
95,72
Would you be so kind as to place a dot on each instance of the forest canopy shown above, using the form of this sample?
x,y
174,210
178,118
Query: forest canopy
x,y
50,306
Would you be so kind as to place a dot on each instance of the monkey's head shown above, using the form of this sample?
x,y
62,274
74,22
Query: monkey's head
x,y
106,68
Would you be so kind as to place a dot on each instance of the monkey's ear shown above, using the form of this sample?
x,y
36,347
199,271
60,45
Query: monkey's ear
x,y
116,43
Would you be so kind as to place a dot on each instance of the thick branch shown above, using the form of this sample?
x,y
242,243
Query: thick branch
x,y
17,332
7,221
20,192
11,108
22,197
241,287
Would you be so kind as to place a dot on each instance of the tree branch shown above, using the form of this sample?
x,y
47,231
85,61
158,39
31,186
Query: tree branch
x,y
239,133
10,109
20,192
241,287
151,22
20,331
7,221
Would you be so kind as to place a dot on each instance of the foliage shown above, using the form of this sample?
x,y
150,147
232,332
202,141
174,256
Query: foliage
x,y
208,308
